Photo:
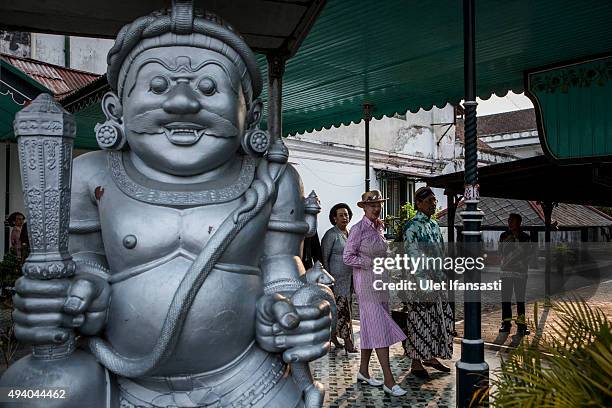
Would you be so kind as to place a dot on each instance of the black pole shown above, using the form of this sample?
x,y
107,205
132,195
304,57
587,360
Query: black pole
x,y
547,207
452,209
276,69
367,116
7,193
450,218
472,370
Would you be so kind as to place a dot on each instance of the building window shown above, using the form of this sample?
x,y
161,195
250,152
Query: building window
x,y
398,189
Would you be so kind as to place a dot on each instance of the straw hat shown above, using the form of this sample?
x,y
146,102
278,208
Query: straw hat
x,y
373,196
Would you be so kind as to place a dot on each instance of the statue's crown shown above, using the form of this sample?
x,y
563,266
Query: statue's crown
x,y
189,25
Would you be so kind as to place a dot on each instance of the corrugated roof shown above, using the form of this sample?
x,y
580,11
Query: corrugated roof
x,y
58,79
570,215
497,210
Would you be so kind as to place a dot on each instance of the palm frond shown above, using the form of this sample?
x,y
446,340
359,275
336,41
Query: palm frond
x,y
569,367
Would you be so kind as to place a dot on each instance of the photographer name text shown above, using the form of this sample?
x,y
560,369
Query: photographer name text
x,y
432,285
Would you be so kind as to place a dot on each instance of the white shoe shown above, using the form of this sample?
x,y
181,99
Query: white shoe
x,y
396,391
372,381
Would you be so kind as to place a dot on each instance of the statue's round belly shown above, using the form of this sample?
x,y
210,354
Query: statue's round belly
x,y
219,326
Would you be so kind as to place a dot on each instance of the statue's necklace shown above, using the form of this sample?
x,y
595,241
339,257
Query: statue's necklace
x,y
143,189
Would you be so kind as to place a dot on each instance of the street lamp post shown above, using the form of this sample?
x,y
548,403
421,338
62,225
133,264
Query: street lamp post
x,y
367,116
472,370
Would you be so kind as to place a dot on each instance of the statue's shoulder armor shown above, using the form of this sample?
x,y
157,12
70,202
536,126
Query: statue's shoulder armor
x,y
289,204
88,169
88,173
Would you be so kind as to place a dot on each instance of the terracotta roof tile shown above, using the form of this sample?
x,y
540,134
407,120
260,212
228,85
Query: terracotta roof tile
x,y
58,79
507,122
500,123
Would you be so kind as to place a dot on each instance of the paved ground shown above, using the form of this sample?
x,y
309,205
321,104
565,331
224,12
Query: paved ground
x,y
338,372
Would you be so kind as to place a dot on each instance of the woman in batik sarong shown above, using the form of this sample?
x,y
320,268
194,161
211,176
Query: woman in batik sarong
x,y
430,317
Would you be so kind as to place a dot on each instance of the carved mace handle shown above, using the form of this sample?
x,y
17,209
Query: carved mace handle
x,y
45,134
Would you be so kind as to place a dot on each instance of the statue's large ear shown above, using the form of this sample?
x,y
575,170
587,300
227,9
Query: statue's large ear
x,y
255,113
110,134
255,142
111,106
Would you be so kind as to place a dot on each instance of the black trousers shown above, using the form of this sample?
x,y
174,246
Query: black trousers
x,y
516,285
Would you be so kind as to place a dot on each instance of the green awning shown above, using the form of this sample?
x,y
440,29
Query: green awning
x,y
574,109
405,55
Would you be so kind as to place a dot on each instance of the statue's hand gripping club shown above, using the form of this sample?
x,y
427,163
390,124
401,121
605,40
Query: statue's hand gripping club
x,y
46,310
301,333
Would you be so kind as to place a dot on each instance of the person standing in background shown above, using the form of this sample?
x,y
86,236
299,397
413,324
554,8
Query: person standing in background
x,y
332,246
430,317
16,221
513,245
378,330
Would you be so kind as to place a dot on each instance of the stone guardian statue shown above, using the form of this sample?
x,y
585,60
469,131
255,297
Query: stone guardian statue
x,y
185,232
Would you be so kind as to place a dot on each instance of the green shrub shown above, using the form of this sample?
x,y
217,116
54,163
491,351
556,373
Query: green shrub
x,y
10,268
397,223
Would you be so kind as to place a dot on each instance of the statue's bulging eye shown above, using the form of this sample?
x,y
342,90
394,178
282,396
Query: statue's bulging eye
x,y
159,85
207,86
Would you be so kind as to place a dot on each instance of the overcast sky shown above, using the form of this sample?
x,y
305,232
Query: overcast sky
x,y
510,102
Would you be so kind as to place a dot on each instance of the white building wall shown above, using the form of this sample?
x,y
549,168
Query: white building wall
x,y
334,176
416,135
89,54
520,144
86,54
48,48
15,43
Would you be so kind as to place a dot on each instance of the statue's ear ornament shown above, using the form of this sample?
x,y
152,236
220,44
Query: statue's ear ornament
x,y
109,135
255,142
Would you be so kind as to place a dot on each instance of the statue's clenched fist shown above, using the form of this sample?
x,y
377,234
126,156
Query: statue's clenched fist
x,y
301,333
46,310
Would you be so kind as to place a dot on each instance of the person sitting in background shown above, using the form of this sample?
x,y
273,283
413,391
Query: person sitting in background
x,y
332,246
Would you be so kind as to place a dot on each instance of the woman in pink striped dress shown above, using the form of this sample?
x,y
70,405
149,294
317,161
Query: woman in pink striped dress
x,y
378,330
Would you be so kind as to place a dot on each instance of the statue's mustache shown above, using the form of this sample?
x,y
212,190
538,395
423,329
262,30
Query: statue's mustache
x,y
152,121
